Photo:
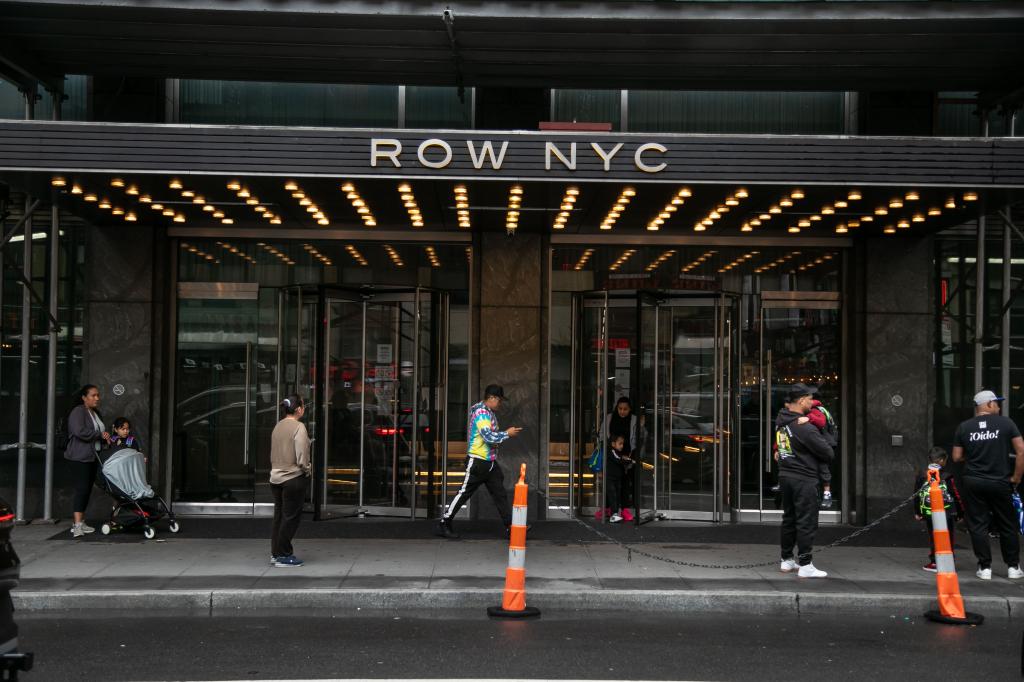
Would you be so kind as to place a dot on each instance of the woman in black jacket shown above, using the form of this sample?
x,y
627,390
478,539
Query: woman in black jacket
x,y
86,436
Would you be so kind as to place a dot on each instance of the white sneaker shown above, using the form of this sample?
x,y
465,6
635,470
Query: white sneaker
x,y
1014,573
76,531
616,518
985,573
86,528
809,571
788,565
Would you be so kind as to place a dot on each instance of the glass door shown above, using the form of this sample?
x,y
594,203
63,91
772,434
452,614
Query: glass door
x,y
788,338
384,393
671,354
217,392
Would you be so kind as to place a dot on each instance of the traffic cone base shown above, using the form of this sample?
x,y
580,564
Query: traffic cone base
x,y
526,612
968,619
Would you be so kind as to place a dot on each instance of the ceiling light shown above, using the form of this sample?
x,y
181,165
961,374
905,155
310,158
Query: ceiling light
x,y
169,212
104,204
75,189
209,208
218,214
896,203
252,201
793,229
90,197
889,229
827,210
854,195
797,194
130,217
58,181
775,210
175,184
903,224
934,211
881,210
918,218
145,199
841,229
225,221
116,182
117,210
912,196
841,204
348,187
787,202
244,193
235,185
970,196
179,218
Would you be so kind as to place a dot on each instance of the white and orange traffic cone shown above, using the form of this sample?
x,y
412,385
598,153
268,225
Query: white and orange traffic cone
x,y
513,601
951,604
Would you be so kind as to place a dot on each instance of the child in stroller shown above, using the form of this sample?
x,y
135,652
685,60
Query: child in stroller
x,y
123,476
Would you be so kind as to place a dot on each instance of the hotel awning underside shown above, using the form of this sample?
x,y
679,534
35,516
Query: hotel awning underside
x,y
282,179
628,44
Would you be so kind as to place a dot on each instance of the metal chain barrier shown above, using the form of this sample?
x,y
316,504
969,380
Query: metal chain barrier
x,y
631,549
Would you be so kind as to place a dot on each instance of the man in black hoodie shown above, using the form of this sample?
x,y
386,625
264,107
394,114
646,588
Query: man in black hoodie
x,y
801,448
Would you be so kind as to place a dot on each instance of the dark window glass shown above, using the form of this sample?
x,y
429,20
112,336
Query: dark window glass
x,y
430,107
808,113
589,106
293,104
74,108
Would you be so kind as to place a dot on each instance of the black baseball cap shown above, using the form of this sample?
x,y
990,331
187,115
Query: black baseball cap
x,y
494,390
797,391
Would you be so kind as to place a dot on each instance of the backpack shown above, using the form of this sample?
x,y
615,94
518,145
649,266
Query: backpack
x,y
924,498
831,431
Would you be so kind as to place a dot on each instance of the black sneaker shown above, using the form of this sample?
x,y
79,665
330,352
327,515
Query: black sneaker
x,y
444,529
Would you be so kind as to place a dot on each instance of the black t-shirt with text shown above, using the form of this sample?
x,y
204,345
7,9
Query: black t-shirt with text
x,y
987,441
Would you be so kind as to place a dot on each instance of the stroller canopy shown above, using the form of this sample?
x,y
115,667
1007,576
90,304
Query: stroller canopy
x,y
126,469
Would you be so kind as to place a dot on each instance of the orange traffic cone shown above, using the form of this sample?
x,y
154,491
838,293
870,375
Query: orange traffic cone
x,y
513,602
951,604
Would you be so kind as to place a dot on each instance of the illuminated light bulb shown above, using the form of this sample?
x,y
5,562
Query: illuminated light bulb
x,y
218,214
970,196
950,203
199,200
774,210
157,207
853,223
742,193
653,227
686,193
841,229
58,181
235,185
912,196
746,228
404,188
130,217
315,209
357,203
306,202
868,219
699,227
179,218
225,221
896,203
516,190
881,210
298,195
903,224
827,210
348,187
934,211
362,210
764,216
75,189
117,210
275,221
209,208
169,212
889,230
116,182
323,221
714,215
707,222
104,204
755,222
786,202
732,202
797,194
815,218
174,183
841,204
90,197
793,229
918,218
855,195
259,209
804,223
664,215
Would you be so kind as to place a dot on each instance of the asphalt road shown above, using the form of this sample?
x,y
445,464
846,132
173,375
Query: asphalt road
x,y
606,646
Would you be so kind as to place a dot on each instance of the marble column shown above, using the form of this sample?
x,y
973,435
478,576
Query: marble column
x,y
898,320
117,341
509,348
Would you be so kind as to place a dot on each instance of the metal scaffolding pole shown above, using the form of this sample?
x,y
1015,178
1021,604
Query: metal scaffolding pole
x,y
1004,343
26,336
51,358
979,301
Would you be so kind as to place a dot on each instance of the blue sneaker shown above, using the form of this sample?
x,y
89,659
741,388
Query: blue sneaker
x,y
288,562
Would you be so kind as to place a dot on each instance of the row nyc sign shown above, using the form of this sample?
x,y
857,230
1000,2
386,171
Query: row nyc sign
x,y
436,153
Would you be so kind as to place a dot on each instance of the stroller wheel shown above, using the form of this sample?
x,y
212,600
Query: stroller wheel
x,y
174,527
150,533
105,529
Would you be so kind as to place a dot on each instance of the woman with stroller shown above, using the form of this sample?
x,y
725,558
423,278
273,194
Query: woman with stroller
x,y
86,436
289,473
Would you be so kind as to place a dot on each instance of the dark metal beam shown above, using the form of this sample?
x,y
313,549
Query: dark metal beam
x,y
23,69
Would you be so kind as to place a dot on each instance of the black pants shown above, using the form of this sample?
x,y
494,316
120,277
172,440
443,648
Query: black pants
x,y
799,517
479,472
950,524
288,498
988,503
83,475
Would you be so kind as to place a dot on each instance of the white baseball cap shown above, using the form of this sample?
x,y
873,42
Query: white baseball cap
x,y
984,397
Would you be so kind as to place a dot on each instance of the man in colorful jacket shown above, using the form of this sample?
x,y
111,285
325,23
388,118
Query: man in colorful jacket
x,y
482,461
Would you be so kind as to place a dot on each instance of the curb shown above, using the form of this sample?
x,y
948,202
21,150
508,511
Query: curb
x,y
212,603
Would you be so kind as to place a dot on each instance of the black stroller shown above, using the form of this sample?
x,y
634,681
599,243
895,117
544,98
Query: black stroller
x,y
123,475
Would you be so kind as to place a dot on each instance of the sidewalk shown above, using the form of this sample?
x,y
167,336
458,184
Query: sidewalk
x,y
396,564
